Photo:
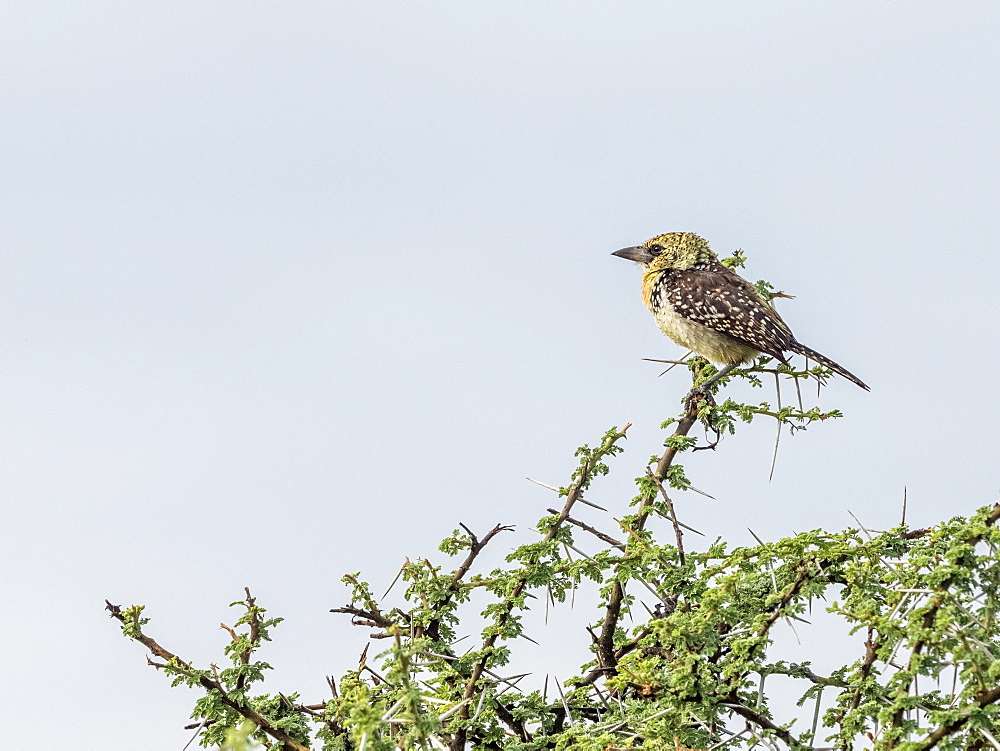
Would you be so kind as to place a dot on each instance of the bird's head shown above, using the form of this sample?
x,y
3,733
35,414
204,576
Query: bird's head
x,y
674,250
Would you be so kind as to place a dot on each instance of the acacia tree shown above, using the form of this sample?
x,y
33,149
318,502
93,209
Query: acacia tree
x,y
690,673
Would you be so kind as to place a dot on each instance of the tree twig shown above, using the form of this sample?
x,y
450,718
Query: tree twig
x,y
678,535
596,532
606,660
210,684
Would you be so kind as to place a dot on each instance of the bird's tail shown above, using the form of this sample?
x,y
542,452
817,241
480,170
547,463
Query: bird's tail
x,y
826,362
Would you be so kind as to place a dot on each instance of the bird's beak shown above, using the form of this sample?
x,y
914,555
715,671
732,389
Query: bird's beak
x,y
638,254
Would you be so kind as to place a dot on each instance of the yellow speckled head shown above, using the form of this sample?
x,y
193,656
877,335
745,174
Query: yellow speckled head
x,y
674,250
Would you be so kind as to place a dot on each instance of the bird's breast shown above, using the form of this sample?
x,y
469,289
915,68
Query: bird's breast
x,y
711,343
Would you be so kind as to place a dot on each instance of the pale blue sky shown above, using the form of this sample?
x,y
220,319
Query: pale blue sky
x,y
289,289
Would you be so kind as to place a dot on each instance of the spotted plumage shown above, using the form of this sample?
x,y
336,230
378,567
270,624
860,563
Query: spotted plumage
x,y
710,309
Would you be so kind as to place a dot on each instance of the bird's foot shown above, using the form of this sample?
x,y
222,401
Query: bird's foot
x,y
698,394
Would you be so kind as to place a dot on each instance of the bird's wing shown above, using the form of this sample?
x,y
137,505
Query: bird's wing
x,y
726,302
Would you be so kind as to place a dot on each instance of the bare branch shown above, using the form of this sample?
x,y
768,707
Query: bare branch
x,y
597,533
678,535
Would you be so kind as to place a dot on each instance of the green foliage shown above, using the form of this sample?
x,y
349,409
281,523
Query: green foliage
x,y
695,672
736,261
241,738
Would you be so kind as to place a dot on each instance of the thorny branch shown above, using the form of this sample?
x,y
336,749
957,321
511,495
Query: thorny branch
x,y
758,719
872,647
791,590
983,699
931,614
370,617
595,532
475,548
209,683
465,689
607,660
458,740
678,535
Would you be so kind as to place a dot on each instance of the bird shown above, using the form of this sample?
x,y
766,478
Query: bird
x,y
708,308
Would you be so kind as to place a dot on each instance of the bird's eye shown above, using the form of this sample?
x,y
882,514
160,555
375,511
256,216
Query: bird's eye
x,y
656,249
